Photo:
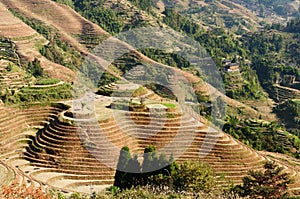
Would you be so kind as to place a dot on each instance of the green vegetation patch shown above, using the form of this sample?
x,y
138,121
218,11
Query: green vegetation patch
x,y
57,51
170,59
106,78
62,53
66,2
263,135
108,19
170,105
37,95
47,81
139,92
8,50
161,91
289,112
191,176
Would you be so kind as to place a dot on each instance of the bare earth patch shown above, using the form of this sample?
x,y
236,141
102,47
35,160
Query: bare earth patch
x,y
11,26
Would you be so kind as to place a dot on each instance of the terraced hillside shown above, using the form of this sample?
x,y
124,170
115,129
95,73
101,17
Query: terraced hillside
x,y
71,151
12,27
11,76
132,15
71,33
282,93
17,126
69,23
26,39
216,14
247,15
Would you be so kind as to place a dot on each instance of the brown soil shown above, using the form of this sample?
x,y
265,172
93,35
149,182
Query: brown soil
x,y
66,20
11,26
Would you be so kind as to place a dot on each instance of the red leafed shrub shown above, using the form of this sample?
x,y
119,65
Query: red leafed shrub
x,y
16,191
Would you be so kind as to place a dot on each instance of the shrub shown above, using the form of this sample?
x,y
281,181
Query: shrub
x,y
270,184
15,191
193,177
47,81
35,68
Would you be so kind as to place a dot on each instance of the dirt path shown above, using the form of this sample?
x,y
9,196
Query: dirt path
x,y
48,86
5,174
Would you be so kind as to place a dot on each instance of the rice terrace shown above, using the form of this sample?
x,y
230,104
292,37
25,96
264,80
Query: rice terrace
x,y
92,108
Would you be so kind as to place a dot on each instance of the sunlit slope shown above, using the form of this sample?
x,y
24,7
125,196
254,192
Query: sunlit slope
x,y
70,24
26,40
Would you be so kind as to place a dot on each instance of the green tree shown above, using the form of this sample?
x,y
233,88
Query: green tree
x,y
134,169
35,68
121,176
193,176
9,67
150,163
270,184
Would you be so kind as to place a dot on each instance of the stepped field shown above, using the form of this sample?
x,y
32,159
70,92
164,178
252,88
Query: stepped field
x,y
26,39
44,146
57,146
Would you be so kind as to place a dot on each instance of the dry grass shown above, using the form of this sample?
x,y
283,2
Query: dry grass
x,y
12,27
25,39
68,23
65,19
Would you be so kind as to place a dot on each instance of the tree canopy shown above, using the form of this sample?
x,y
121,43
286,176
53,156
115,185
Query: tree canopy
x,y
268,184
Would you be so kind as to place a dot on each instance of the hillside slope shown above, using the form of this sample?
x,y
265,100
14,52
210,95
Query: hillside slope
x,y
247,15
69,23
61,155
26,40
